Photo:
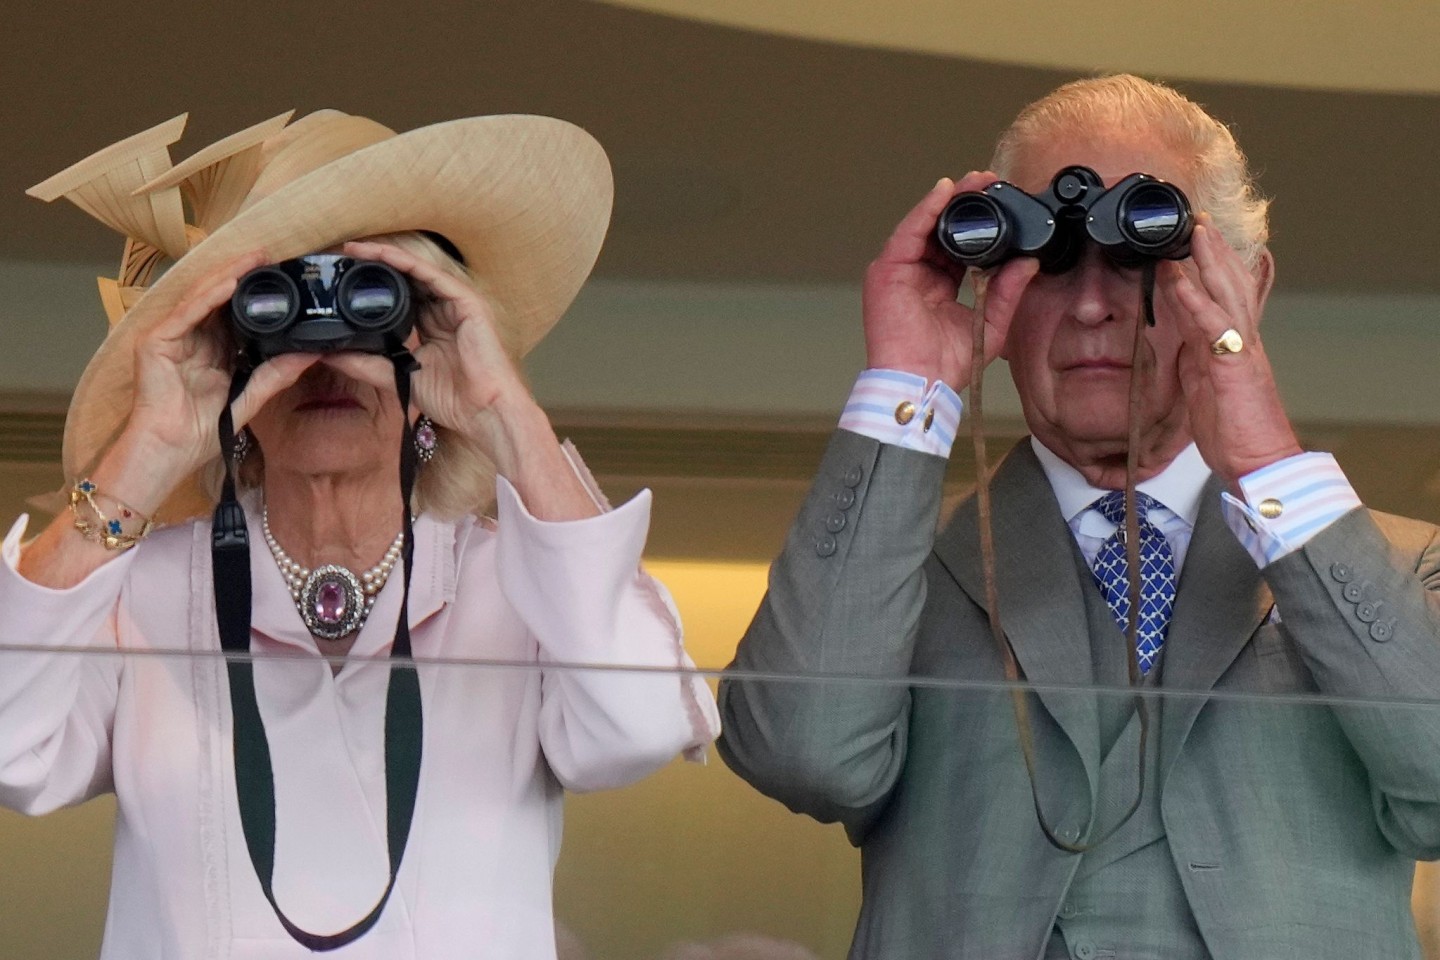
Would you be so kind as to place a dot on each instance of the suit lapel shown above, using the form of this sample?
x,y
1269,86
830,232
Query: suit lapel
x,y
1041,606
1221,601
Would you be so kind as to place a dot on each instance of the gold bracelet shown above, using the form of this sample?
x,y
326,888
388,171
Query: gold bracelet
x,y
109,531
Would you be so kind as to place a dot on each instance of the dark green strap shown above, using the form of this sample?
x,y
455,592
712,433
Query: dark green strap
x,y
404,724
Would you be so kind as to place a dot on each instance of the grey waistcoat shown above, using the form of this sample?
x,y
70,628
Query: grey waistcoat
x,y
1125,901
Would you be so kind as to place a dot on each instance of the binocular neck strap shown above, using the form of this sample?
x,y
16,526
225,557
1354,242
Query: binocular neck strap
x,y
1147,291
404,728
1019,705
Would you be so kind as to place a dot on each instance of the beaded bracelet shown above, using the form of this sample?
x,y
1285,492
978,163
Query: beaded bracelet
x,y
108,531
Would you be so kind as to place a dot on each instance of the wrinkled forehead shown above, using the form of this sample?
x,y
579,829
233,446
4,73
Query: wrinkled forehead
x,y
1112,152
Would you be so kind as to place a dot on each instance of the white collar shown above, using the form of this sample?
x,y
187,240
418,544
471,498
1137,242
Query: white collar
x,y
1177,487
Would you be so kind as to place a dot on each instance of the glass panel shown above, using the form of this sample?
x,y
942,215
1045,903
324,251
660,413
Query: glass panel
x,y
1267,813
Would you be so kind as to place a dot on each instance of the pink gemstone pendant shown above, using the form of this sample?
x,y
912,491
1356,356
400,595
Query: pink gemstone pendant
x,y
332,602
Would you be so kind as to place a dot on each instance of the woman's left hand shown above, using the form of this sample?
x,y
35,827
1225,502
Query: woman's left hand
x,y
468,383
466,380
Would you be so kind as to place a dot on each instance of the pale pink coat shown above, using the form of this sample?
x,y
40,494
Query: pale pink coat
x,y
500,741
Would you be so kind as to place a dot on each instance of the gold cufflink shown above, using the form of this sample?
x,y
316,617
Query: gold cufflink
x,y
1270,508
929,419
905,412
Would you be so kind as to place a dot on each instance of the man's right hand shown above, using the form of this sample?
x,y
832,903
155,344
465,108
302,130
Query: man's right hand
x,y
913,321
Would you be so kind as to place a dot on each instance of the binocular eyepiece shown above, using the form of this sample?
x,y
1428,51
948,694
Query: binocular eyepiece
x,y
322,303
1140,218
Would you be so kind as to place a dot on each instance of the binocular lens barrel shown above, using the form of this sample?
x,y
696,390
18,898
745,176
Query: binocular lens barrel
x,y
320,303
1140,218
265,301
973,229
371,296
1155,218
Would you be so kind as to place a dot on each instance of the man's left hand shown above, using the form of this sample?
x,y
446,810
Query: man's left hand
x,y
1236,415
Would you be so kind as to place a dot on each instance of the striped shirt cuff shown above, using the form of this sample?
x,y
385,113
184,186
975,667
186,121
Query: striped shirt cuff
x,y
903,410
1287,503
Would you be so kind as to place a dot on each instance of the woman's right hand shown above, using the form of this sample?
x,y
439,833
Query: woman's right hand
x,y
182,380
913,321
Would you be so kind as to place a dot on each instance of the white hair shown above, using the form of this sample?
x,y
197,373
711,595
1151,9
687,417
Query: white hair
x,y
1223,183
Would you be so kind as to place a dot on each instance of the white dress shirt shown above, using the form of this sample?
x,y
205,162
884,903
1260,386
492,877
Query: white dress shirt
x,y
1176,491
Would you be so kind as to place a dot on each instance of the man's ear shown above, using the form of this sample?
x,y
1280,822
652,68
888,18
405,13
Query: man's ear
x,y
1264,274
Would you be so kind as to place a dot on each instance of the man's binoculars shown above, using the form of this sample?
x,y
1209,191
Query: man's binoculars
x,y
322,303
1140,218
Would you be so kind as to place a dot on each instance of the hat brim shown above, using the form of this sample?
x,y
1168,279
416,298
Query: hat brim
x,y
525,199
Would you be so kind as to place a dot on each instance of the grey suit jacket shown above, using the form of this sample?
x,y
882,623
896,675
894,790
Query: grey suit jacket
x,y
1293,827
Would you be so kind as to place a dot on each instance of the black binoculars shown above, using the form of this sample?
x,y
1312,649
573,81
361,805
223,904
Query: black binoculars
x,y
322,303
1140,218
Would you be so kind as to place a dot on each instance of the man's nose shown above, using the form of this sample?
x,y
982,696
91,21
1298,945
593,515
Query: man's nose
x,y
1092,282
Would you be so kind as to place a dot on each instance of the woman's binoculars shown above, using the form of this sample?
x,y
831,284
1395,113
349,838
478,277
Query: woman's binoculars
x,y
322,303
1140,218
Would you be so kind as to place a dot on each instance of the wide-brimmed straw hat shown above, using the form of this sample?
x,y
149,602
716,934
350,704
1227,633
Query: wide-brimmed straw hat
x,y
525,200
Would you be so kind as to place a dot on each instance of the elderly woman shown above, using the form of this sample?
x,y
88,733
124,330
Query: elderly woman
x,y
207,863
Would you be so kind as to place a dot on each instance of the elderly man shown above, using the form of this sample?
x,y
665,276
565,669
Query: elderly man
x,y
1259,829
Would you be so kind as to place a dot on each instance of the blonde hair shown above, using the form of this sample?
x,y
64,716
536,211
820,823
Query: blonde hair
x,y
1223,183
460,479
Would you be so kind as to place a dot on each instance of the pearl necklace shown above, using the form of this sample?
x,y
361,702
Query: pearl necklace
x,y
331,600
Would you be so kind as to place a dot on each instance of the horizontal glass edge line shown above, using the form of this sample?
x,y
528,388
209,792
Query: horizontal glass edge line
x,y
760,676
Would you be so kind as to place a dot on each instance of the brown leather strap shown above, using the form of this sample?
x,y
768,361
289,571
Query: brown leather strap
x,y
1138,358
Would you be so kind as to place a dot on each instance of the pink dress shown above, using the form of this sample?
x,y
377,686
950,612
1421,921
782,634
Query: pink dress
x,y
501,742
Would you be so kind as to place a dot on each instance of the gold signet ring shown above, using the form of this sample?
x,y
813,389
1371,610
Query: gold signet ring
x,y
1227,342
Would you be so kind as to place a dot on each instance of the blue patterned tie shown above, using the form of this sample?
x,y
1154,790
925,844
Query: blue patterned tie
x,y
1157,575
